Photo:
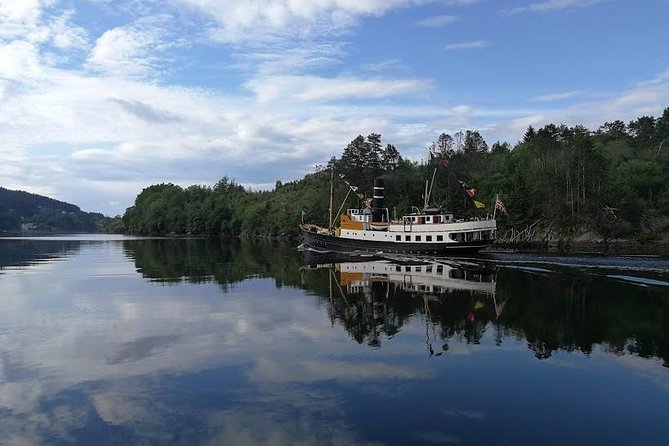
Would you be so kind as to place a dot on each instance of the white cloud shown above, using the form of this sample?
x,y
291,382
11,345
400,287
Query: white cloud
x,y
247,20
468,45
24,11
554,5
437,21
125,51
312,88
19,60
658,79
555,96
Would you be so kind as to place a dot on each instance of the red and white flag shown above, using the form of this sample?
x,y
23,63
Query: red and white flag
x,y
499,206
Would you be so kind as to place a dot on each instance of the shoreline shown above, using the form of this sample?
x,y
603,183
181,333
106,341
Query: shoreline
x,y
624,247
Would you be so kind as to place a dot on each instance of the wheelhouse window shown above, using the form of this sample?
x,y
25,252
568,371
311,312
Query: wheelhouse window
x,y
457,236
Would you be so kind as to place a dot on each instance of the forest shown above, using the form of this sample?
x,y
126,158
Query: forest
x,y
19,209
567,180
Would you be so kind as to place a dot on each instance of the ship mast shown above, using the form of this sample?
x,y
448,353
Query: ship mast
x,y
331,196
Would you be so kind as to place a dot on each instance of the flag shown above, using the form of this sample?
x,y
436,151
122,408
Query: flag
x,y
445,162
472,192
499,206
478,204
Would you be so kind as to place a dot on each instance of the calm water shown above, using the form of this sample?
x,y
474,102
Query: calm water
x,y
118,341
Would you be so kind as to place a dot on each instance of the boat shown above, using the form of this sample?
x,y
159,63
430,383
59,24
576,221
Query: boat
x,y
423,231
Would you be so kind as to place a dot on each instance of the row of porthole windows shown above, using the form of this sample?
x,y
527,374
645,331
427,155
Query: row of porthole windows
x,y
407,238
456,236
419,238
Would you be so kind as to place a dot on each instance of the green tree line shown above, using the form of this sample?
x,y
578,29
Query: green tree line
x,y
612,181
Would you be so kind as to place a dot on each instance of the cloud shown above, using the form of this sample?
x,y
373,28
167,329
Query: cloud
x,y
553,5
124,51
33,21
147,112
261,20
313,88
19,60
468,45
437,21
554,96
385,66
25,11
660,78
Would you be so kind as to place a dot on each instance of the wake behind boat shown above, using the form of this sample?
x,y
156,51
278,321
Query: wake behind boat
x,y
426,231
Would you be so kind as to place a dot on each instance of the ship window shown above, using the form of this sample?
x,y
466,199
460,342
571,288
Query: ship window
x,y
398,268
440,269
407,269
428,269
418,238
470,236
440,238
428,238
428,219
407,238
418,269
458,236
398,238
437,218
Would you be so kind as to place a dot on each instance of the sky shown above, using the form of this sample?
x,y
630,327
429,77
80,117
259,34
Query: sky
x,y
101,98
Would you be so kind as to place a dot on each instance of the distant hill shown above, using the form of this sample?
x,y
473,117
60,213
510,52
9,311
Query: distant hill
x,y
21,210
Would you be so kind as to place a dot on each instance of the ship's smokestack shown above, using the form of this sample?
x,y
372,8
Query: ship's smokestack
x,y
377,202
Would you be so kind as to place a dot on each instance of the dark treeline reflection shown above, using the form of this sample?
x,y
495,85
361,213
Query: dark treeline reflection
x,y
224,262
553,310
20,253
372,300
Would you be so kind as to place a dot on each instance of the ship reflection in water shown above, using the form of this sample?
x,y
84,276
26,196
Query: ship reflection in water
x,y
383,293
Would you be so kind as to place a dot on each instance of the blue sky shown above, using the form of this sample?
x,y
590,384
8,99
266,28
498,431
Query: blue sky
x,y
100,98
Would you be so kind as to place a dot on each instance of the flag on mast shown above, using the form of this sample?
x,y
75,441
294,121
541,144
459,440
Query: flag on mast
x,y
499,206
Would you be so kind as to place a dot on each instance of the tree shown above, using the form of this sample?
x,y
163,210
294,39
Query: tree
x,y
530,133
474,142
610,131
390,158
445,144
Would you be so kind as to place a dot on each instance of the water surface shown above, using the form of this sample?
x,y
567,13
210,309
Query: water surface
x,y
109,340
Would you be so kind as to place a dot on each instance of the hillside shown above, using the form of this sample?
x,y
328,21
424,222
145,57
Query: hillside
x,y
23,210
